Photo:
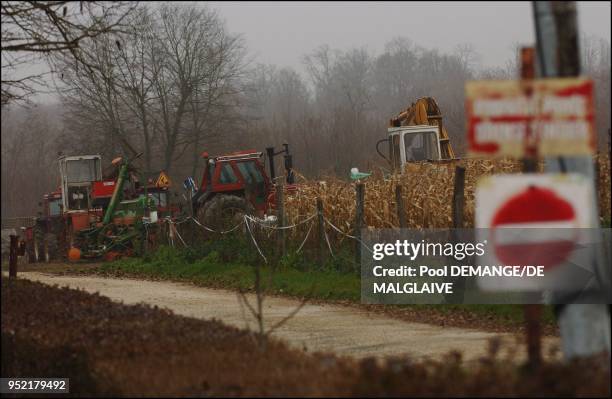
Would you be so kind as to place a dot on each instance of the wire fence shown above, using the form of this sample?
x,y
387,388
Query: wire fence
x,y
252,225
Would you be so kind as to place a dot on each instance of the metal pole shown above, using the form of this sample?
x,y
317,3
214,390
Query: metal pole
x,y
584,328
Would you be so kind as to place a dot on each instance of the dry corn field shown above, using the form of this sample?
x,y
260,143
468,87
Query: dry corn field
x,y
427,190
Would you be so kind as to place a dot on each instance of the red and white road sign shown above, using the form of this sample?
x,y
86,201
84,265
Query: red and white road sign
x,y
531,220
543,117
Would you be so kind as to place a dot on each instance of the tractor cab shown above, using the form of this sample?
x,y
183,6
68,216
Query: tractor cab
x,y
78,175
232,186
240,173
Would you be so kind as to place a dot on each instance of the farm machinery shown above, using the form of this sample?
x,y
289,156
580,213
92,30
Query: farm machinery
x,y
66,210
156,186
94,214
91,215
124,228
237,184
417,134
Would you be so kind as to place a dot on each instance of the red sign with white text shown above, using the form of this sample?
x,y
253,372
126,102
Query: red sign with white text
x,y
542,117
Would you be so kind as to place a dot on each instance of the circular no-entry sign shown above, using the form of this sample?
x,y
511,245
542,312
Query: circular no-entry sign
x,y
534,227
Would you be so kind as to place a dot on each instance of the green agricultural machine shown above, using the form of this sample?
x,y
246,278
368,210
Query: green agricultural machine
x,y
128,227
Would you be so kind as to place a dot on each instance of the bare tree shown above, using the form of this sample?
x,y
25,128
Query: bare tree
x,y
193,61
29,153
343,98
33,30
134,77
279,104
92,95
166,85
217,71
394,75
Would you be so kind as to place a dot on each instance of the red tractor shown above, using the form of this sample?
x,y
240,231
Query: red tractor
x,y
234,185
67,210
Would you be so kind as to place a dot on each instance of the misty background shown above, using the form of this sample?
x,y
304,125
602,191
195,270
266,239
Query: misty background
x,y
183,78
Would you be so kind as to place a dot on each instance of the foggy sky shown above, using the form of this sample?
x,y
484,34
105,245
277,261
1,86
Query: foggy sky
x,y
282,32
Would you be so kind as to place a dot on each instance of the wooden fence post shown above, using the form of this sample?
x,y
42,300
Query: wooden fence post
x,y
321,232
532,312
13,256
458,197
280,207
459,283
360,195
401,212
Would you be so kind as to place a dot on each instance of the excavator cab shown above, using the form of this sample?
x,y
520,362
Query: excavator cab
x,y
413,144
417,135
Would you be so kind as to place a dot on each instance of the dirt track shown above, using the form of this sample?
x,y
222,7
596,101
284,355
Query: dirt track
x,y
343,330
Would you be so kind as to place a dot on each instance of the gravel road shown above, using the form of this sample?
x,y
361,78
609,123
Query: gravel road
x,y
317,327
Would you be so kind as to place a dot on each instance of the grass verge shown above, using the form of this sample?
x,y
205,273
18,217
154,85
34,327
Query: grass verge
x,y
229,264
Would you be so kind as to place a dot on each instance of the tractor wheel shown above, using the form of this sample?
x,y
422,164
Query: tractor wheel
x,y
50,247
224,212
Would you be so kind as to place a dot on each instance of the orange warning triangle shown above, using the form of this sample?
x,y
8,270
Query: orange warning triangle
x,y
162,180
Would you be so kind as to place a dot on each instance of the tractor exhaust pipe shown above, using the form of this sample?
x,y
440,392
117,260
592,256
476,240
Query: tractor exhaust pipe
x,y
288,158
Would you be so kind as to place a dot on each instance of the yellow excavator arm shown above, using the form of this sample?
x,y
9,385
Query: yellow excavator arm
x,y
425,111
